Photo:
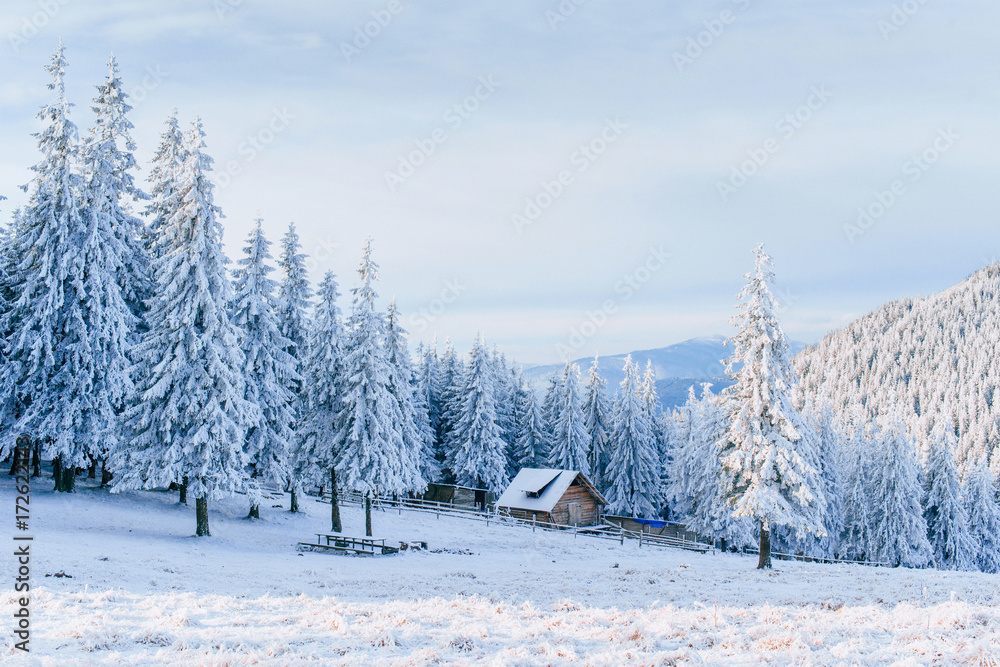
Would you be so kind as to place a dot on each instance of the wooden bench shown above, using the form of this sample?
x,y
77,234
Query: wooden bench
x,y
365,546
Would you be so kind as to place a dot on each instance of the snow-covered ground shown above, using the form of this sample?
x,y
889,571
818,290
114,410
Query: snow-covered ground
x,y
144,591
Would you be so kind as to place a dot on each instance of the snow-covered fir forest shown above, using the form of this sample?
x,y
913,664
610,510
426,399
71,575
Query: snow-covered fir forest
x,y
134,349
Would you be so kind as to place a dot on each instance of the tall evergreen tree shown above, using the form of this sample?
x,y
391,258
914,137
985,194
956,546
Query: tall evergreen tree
x,y
292,303
416,423
899,531
108,164
532,448
164,178
323,376
571,440
191,415
269,368
859,512
597,415
766,453
430,391
944,508
374,455
479,458
984,515
452,378
633,470
661,430
68,327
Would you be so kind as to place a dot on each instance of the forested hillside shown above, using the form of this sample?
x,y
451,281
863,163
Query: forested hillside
x,y
931,357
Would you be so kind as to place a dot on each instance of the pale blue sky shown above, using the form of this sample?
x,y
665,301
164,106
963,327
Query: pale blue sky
x,y
886,97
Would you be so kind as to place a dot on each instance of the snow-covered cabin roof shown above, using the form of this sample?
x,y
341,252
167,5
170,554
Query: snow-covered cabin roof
x,y
539,489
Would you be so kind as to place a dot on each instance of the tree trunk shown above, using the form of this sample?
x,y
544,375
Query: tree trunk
x,y
69,479
335,524
57,473
183,499
92,470
201,512
368,516
764,563
293,501
36,459
722,545
254,511
13,464
105,474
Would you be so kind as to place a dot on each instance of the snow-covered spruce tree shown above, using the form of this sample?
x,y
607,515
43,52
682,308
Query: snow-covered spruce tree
x,y
65,375
570,439
373,455
428,385
163,179
268,368
696,484
859,514
944,508
416,423
633,470
597,416
532,447
661,431
829,444
292,303
479,458
322,370
984,515
108,164
190,416
766,452
452,374
899,531
550,403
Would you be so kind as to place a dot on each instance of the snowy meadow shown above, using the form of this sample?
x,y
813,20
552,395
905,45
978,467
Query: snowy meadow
x,y
141,590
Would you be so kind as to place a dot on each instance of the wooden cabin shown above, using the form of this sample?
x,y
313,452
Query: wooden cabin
x,y
564,497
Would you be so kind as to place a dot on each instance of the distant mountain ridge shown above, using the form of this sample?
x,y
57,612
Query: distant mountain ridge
x,y
678,367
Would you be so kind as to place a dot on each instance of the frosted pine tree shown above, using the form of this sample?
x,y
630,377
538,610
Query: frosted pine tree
x,y
291,304
108,164
696,486
531,449
766,453
67,326
550,403
571,440
984,515
859,516
268,369
163,179
429,387
322,374
191,416
452,373
633,470
373,455
416,423
899,531
479,456
944,508
661,428
597,417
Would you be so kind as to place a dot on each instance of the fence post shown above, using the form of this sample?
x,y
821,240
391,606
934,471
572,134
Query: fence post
x,y
640,539
622,535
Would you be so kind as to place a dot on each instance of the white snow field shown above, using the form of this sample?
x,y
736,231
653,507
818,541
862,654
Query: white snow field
x,y
143,591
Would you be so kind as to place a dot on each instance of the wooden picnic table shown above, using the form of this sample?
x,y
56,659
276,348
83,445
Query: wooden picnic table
x,y
359,545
